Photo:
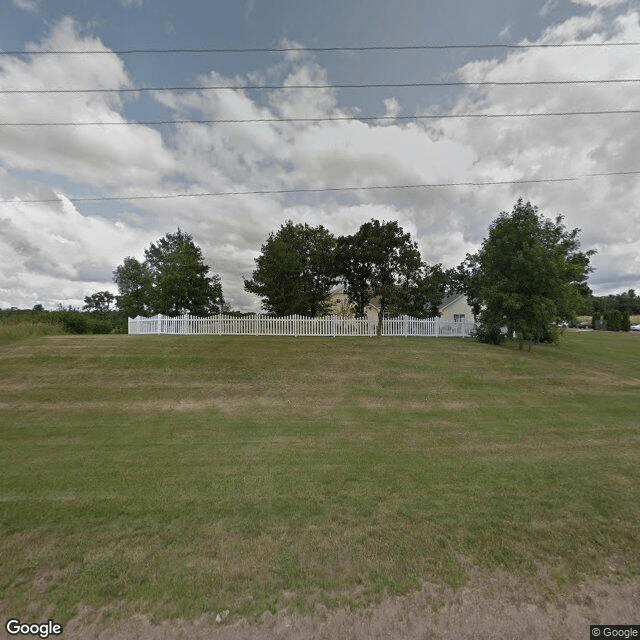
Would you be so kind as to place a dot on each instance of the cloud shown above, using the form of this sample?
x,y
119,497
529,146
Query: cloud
x,y
62,251
599,4
131,4
392,110
547,8
52,253
32,6
95,155
507,32
538,148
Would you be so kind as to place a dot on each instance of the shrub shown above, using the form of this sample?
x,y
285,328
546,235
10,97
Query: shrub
x,y
73,321
489,335
612,320
100,326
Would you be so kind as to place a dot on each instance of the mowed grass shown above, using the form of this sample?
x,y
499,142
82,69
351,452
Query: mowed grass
x,y
176,476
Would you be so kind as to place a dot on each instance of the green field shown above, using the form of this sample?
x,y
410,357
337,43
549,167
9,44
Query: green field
x,y
177,476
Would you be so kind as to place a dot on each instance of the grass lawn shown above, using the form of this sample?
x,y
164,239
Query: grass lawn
x,y
176,476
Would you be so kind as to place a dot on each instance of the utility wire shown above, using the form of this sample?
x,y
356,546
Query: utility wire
x,y
171,196
419,47
541,114
479,83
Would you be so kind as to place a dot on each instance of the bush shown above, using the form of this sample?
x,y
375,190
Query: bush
x,y
626,322
77,322
100,326
489,335
550,335
612,320
73,321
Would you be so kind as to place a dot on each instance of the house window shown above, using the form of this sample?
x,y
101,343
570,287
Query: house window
x,y
458,317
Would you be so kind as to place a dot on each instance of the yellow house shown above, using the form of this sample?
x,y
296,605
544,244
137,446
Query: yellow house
x,y
341,307
453,308
456,309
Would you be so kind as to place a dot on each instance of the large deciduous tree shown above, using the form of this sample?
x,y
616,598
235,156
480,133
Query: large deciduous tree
x,y
134,287
172,280
422,295
528,274
294,271
379,261
99,302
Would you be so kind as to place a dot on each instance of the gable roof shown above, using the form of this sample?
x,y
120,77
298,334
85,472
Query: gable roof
x,y
449,300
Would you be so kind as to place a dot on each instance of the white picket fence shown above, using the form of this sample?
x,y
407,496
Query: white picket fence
x,y
329,326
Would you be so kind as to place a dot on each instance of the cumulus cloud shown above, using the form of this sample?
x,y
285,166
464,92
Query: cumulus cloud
x,y
65,252
50,252
538,148
96,155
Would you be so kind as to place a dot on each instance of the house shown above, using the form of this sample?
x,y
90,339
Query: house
x,y
454,308
341,307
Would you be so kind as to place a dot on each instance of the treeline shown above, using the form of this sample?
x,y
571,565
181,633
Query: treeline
x,y
528,275
299,265
612,312
627,303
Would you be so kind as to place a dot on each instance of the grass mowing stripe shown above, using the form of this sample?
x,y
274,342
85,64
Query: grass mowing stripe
x,y
177,476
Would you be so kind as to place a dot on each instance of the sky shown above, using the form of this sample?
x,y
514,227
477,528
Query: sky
x,y
76,199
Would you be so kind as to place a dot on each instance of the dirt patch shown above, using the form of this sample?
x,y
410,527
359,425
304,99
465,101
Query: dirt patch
x,y
494,607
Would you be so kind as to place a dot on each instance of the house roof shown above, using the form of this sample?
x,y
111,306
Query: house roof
x,y
339,288
449,300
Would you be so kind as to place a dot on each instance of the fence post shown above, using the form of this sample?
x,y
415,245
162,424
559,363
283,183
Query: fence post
x,y
159,324
438,327
333,325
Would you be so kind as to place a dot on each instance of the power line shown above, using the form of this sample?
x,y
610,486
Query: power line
x,y
172,196
540,114
379,85
419,47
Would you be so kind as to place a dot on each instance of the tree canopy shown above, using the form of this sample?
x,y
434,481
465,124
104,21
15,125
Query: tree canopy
x,y
173,279
379,261
423,295
99,302
528,274
295,270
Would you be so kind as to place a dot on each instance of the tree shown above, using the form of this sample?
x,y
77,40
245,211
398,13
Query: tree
x,y
99,302
172,280
294,271
134,285
627,302
379,260
423,294
467,278
528,275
